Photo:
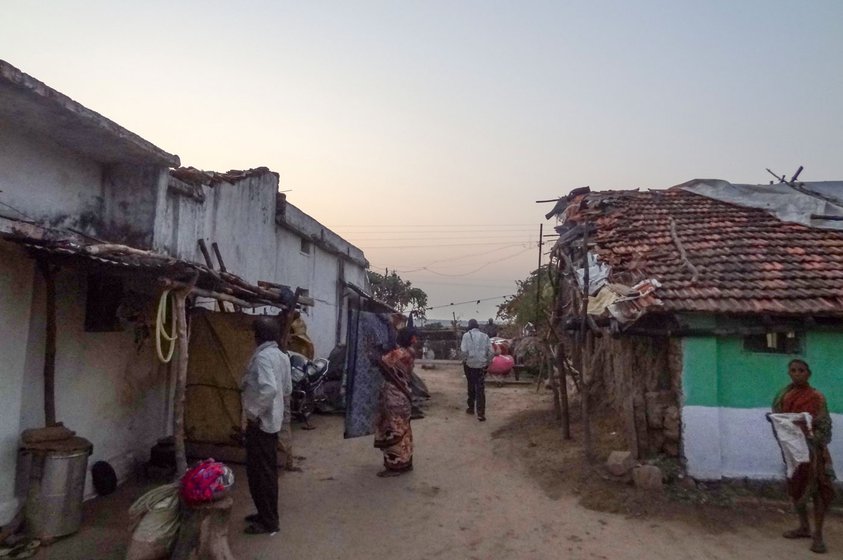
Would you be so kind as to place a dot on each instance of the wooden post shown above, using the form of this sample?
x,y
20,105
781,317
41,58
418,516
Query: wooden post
x,y
539,278
210,264
180,310
340,300
216,249
203,533
49,274
585,340
287,322
563,391
554,386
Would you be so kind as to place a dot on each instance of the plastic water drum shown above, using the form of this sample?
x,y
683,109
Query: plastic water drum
x,y
501,364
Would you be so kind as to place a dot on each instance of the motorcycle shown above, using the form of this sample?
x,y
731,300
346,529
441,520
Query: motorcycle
x,y
309,377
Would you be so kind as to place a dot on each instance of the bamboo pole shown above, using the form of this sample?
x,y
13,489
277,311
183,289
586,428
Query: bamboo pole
x,y
48,272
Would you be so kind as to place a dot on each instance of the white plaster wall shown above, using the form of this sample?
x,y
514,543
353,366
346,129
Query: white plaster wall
x,y
241,219
745,446
107,390
16,277
47,182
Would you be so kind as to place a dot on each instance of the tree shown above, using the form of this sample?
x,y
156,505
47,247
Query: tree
x,y
520,309
398,293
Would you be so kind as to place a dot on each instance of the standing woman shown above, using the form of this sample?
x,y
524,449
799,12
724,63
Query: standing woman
x,y
393,434
812,480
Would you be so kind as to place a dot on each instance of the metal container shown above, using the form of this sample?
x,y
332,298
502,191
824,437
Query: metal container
x,y
56,486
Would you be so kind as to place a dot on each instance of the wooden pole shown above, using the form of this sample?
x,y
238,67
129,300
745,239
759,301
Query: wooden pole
x,y
563,391
585,352
289,317
554,385
210,264
539,278
181,381
216,249
48,272
180,309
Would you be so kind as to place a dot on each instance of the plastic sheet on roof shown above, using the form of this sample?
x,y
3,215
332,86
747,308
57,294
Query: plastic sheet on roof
x,y
788,204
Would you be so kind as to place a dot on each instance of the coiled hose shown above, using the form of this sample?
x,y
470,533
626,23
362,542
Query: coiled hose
x,y
161,332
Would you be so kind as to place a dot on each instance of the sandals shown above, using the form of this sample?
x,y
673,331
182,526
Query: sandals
x,y
797,534
819,547
259,529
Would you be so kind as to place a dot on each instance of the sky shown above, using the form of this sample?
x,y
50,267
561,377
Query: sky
x,y
424,132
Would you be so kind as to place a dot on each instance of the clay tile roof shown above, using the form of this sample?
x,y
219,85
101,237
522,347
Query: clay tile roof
x,y
747,260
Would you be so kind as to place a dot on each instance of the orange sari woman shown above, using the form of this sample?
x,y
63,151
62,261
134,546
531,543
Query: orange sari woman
x,y
812,480
393,434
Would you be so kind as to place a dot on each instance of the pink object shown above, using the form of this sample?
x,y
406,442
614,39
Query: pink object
x,y
501,365
206,482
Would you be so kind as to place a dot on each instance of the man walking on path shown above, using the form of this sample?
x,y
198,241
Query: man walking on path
x,y
267,379
476,351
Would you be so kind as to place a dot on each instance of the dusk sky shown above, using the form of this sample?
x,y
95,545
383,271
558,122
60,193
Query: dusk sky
x,y
424,132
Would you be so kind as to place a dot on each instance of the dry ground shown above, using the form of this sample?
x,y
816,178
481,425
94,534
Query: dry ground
x,y
504,489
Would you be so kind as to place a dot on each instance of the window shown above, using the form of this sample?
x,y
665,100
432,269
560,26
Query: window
x,y
306,246
774,343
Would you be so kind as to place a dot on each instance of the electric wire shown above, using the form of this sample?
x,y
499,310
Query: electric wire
x,y
468,301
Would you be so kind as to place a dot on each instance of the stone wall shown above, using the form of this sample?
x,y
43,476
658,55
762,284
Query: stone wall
x,y
638,379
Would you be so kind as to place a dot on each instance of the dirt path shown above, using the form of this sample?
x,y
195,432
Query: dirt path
x,y
474,494
469,498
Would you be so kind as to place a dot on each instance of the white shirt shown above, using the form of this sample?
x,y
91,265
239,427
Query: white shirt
x,y
476,349
266,381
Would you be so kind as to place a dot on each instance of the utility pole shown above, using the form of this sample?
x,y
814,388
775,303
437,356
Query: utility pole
x,y
539,276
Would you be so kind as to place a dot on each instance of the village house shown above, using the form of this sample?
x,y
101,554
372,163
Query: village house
x,y
699,296
92,219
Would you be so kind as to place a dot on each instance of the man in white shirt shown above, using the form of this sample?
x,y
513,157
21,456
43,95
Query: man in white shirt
x,y
266,381
476,351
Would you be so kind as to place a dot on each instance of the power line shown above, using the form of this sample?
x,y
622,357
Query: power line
x,y
464,284
430,225
436,231
430,246
410,268
427,237
479,268
469,301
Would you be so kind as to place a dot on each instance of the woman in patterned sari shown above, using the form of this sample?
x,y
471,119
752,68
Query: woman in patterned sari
x,y
393,434
812,480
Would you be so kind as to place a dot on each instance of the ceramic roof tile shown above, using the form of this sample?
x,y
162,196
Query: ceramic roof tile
x,y
748,261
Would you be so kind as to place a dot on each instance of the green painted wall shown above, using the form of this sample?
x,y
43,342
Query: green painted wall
x,y
719,372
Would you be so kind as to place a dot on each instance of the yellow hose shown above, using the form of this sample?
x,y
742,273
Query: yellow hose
x,y
160,332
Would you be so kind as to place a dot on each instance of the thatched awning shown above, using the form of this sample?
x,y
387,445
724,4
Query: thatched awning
x,y
121,260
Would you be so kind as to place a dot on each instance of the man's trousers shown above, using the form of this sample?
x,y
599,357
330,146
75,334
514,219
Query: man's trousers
x,y
262,472
476,378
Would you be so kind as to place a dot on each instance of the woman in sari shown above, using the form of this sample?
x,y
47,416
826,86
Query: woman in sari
x,y
393,434
811,480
